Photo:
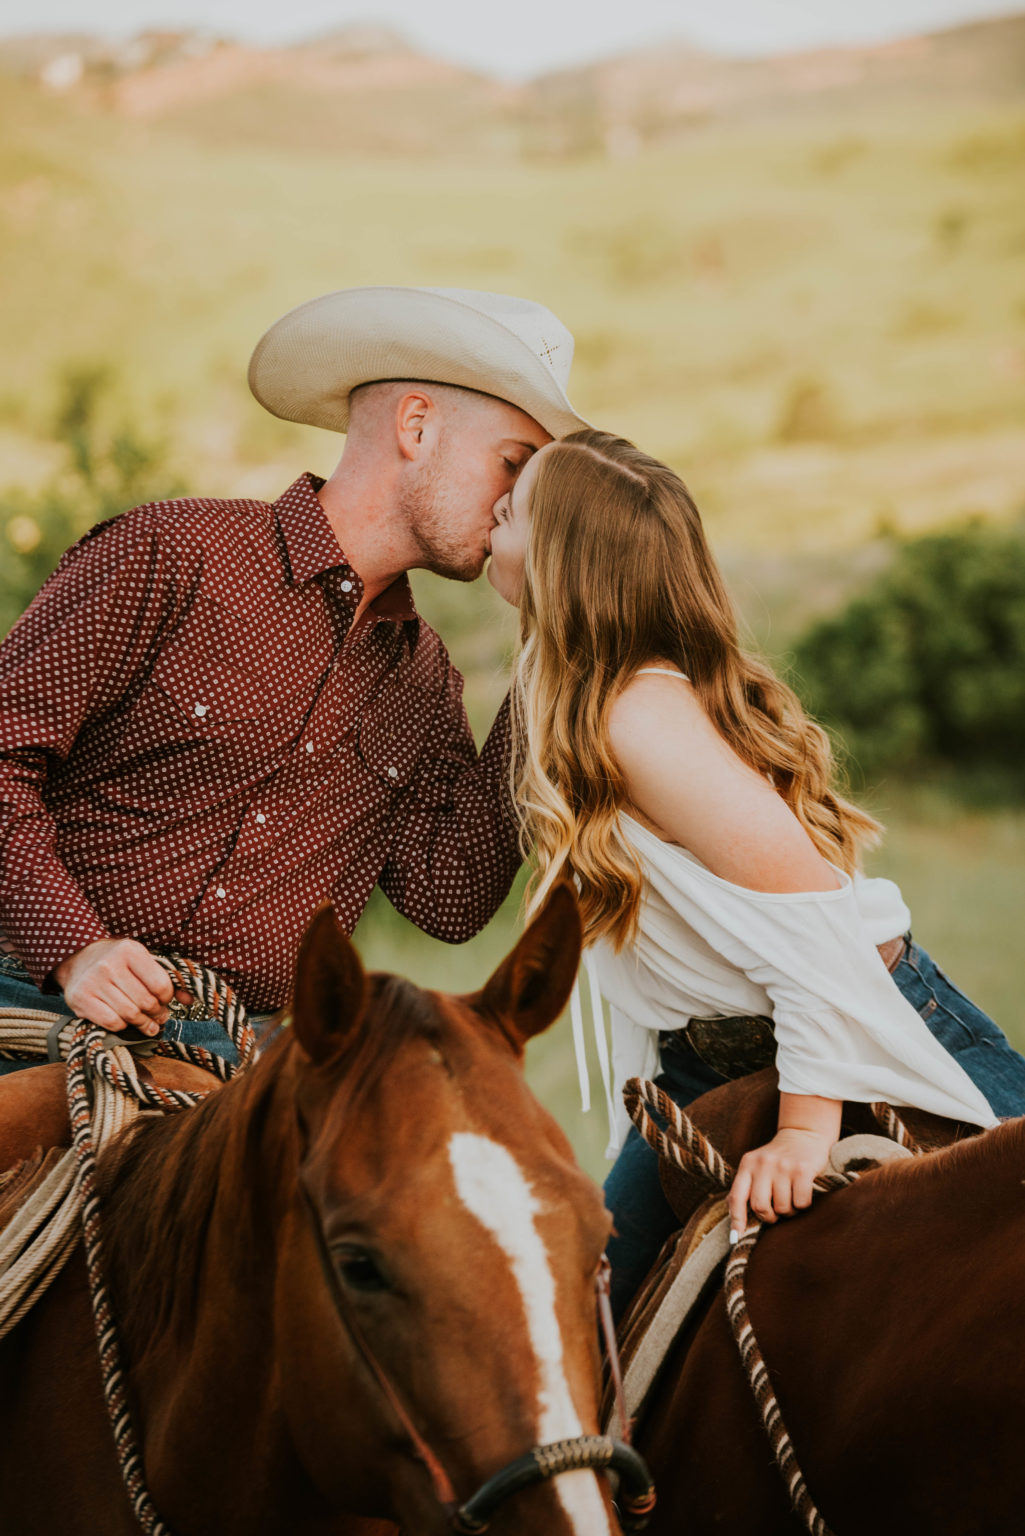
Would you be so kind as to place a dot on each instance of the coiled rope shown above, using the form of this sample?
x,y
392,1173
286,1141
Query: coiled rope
x,y
105,1095
683,1145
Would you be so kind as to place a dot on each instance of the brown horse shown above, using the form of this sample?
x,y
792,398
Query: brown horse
x,y
891,1317
382,1174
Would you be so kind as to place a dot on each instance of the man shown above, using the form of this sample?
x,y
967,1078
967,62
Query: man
x,y
216,713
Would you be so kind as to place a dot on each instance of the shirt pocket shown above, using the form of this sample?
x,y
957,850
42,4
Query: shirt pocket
x,y
193,699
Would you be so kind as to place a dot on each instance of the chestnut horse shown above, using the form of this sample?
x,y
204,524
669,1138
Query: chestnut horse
x,y
382,1174
891,1317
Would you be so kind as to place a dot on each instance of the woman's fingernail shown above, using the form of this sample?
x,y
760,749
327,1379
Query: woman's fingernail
x,y
734,1237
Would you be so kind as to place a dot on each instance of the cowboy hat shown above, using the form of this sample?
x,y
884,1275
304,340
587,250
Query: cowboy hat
x,y
309,362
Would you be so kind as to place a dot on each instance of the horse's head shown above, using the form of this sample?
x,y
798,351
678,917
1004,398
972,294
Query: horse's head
x,y
440,1278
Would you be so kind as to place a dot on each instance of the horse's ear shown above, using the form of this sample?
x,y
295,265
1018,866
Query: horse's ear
x,y
330,988
532,985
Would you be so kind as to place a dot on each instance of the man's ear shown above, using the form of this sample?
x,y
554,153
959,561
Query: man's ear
x,y
330,988
415,420
532,985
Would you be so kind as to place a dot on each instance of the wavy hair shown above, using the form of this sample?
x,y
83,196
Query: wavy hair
x,y
618,572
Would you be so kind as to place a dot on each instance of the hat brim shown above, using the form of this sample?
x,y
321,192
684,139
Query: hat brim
x,y
307,365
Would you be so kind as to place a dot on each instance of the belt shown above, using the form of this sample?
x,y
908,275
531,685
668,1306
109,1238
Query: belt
x,y
893,951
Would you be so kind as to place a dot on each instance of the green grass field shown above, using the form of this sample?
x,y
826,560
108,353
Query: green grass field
x,y
820,322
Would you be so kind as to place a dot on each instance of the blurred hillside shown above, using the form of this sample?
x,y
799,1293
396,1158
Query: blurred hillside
x,y
364,89
817,314
801,281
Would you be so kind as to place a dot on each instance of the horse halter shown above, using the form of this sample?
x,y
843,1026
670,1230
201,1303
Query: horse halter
x,y
635,1497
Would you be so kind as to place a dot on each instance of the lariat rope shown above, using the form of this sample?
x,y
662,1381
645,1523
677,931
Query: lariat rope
x,y
682,1144
105,1095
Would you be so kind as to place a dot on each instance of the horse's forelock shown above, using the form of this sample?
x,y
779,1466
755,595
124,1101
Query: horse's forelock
x,y
396,1013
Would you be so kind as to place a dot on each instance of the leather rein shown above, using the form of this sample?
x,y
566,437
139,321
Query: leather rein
x,y
635,1497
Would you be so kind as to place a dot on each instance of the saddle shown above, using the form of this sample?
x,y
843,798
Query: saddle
x,y
687,1275
34,1106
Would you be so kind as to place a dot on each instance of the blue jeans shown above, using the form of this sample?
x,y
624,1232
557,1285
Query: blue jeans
x,y
18,990
633,1191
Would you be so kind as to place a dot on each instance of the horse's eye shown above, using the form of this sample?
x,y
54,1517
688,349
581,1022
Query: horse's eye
x,y
359,1270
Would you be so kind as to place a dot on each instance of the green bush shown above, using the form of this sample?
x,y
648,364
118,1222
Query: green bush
x,y
928,665
108,468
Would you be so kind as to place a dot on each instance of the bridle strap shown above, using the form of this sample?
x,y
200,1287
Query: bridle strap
x,y
591,1452
443,1489
603,1285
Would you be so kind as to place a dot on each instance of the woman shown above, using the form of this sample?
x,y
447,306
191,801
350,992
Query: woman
x,y
681,784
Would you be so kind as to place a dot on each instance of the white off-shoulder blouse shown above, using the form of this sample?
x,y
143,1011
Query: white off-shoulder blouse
x,y
808,959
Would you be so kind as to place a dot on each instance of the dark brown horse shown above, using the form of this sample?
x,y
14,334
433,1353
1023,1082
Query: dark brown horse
x,y
891,1317
383,1170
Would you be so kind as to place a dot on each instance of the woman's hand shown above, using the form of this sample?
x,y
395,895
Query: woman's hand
x,y
776,1180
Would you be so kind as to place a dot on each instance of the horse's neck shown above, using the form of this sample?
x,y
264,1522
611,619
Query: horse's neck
x,y
191,1216
186,1190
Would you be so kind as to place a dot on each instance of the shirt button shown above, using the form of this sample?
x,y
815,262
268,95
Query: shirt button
x,y
309,746
346,586
393,773
261,818
200,709
220,892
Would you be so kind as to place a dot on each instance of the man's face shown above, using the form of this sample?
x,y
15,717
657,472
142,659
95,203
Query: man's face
x,y
450,501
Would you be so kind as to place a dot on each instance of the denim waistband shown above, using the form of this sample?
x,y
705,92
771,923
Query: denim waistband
x,y
12,966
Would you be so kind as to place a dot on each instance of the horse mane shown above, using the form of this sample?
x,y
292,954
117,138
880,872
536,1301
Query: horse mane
x,y
402,1012
158,1186
993,1154
160,1183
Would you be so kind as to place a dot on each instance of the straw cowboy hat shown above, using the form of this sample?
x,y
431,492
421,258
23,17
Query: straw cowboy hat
x,y
309,362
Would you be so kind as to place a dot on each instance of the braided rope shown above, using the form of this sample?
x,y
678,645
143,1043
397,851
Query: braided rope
x,y
105,1094
760,1382
894,1127
682,1144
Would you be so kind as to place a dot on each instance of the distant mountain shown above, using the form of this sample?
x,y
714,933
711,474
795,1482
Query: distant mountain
x,y
658,93
365,89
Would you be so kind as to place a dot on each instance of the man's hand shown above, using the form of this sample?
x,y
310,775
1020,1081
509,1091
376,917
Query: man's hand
x,y
776,1180
115,982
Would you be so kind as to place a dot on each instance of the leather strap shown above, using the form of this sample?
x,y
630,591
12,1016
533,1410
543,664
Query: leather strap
x,y
892,952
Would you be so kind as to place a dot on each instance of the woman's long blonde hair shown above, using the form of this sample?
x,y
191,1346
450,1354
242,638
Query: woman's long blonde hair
x,y
617,572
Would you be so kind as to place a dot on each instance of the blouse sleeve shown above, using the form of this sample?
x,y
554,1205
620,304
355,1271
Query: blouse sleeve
x,y
843,1028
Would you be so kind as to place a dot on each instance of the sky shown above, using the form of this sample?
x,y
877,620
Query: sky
x,y
526,37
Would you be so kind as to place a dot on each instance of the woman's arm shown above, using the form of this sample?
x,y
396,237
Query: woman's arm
x,y
690,787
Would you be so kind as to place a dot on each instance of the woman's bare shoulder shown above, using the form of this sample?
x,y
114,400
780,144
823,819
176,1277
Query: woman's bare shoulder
x,y
650,706
690,787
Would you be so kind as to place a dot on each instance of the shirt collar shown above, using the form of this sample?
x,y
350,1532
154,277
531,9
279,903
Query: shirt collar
x,y
312,548
310,543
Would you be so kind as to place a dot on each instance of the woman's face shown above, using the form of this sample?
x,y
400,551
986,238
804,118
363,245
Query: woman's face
x,y
509,535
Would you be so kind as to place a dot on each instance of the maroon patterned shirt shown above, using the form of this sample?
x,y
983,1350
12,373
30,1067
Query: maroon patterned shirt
x,y
196,748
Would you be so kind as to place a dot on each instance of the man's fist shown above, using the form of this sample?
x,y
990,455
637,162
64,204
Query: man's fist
x,y
115,982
